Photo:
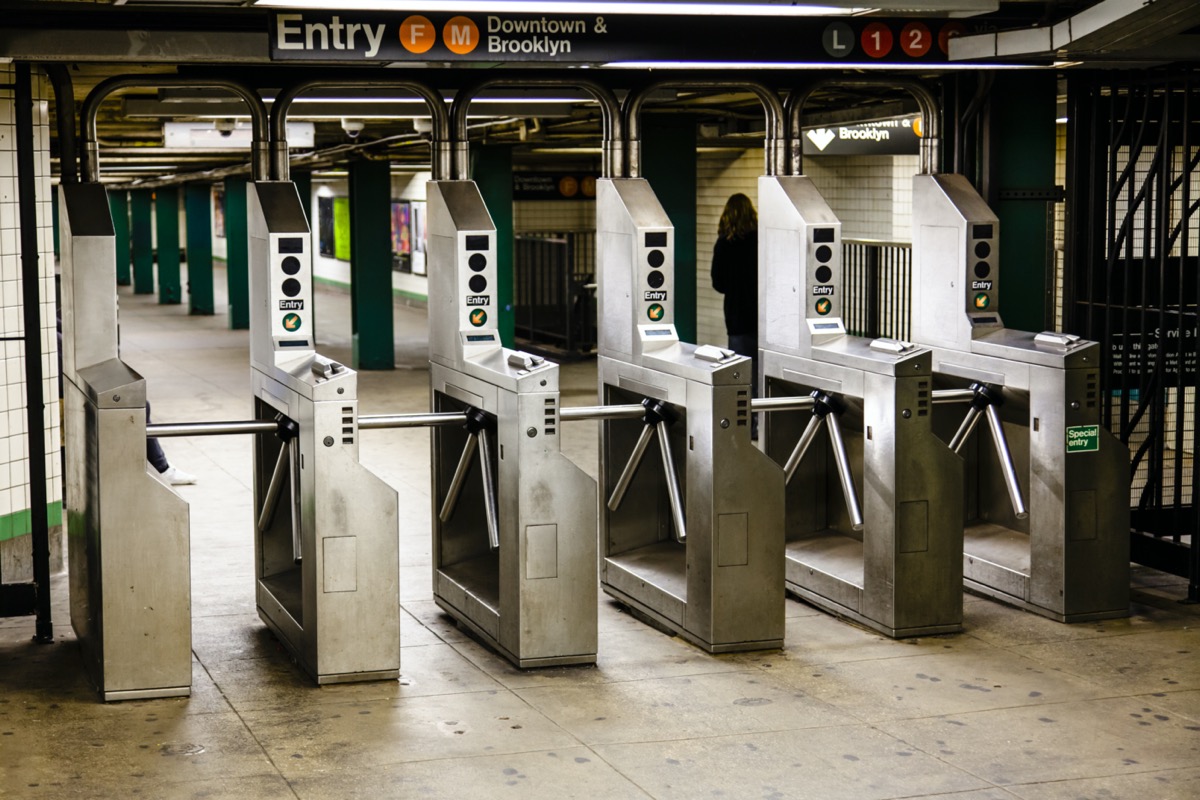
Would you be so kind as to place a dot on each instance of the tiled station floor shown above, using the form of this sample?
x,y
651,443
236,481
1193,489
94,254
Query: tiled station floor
x,y
1014,707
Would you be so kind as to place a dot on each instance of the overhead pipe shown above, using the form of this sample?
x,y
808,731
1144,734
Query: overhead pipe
x,y
64,105
90,149
439,156
610,115
930,122
774,148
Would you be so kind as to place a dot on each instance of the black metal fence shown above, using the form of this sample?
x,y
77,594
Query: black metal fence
x,y
1133,257
554,295
878,278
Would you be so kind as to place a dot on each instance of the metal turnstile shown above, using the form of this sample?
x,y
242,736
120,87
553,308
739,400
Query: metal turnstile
x,y
129,557
514,520
326,528
888,557
1047,487
691,524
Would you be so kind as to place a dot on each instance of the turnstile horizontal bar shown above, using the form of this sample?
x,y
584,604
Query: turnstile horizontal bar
x,y
631,411
768,404
380,421
952,396
211,428
377,421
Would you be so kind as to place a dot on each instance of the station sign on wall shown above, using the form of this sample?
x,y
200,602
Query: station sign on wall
x,y
898,136
554,186
364,37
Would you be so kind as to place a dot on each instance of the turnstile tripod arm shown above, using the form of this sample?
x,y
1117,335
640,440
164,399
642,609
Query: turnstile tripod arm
x,y
806,438
267,513
965,429
456,482
490,510
673,493
460,475
1007,468
843,469
631,467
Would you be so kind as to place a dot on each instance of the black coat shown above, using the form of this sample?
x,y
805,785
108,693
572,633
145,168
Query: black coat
x,y
735,275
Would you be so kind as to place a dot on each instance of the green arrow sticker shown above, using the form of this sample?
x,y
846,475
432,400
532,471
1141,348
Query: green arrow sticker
x,y
1083,438
291,322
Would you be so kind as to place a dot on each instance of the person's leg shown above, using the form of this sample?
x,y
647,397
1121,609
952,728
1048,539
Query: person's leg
x,y
154,451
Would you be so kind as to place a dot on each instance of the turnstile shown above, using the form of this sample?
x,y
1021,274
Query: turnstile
x,y
694,543
514,520
892,559
326,528
128,551
1047,490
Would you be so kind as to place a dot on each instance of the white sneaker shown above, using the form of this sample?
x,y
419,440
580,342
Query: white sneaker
x,y
177,477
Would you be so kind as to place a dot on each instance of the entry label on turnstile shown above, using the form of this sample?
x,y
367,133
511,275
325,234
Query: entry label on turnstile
x,y
1083,438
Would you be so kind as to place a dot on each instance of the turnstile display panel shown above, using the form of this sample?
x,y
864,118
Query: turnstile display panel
x,y
477,280
656,276
290,290
823,251
982,283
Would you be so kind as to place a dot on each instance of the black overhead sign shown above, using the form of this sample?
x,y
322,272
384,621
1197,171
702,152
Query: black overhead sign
x,y
899,136
358,37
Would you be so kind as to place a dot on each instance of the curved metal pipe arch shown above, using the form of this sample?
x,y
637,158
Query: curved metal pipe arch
x,y
930,122
440,155
774,147
610,114
89,151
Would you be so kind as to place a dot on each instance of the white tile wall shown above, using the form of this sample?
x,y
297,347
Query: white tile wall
x,y
14,488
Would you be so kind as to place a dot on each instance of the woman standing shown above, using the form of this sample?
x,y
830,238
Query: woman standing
x,y
735,275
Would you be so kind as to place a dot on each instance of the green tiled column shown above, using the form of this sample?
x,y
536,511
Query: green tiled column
x,y
141,240
197,204
492,171
669,164
166,219
371,264
1023,108
237,260
118,204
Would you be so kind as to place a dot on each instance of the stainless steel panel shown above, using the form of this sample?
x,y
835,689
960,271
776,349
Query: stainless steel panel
x,y
901,574
524,578
1069,559
129,556
336,608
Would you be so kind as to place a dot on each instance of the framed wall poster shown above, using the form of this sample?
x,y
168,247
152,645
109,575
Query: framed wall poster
x,y
341,228
325,226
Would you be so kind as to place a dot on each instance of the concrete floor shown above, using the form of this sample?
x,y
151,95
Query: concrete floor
x,y
1014,707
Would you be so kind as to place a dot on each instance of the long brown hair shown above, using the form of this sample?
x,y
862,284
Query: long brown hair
x,y
738,219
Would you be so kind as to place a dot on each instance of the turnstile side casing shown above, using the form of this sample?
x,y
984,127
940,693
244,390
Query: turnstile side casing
x,y
350,624
912,509
128,551
735,523
547,504
545,609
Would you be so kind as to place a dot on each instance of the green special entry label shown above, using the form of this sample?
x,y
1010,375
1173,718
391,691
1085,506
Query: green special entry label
x,y
1083,438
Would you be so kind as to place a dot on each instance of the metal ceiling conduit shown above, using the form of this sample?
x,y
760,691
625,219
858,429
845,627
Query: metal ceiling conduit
x,y
774,148
440,156
90,149
930,120
610,113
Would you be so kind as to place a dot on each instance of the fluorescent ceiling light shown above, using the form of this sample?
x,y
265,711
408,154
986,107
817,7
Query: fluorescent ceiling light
x,y
886,65
755,8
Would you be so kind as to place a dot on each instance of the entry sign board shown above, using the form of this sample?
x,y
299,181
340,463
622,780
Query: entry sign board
x,y
1083,438
382,37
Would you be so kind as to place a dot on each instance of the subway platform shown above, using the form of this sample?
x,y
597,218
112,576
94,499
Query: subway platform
x,y
1014,707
